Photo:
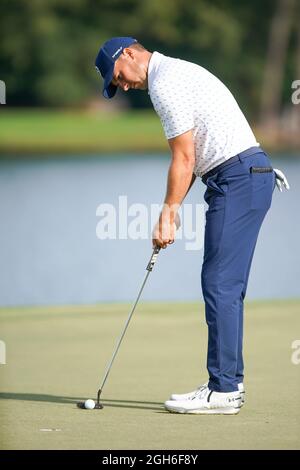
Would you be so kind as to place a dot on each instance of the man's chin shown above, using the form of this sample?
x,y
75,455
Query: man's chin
x,y
139,86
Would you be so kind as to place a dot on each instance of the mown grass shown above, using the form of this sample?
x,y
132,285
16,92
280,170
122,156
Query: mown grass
x,y
45,131
57,356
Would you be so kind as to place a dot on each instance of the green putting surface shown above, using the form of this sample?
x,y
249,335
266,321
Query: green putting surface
x,y
56,356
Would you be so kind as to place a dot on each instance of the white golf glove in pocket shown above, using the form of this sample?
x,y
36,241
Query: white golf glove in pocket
x,y
281,180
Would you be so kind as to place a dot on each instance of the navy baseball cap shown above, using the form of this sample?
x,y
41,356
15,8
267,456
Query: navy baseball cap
x,y
105,61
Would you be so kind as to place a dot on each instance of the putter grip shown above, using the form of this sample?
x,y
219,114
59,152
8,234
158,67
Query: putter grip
x,y
153,258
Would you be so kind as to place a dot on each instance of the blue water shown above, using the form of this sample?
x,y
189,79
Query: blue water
x,y
50,254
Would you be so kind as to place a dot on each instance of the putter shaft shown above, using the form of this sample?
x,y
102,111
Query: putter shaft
x,y
149,269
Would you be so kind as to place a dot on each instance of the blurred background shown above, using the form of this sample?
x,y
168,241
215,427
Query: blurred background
x,y
64,149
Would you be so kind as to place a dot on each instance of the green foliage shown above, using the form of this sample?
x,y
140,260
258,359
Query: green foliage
x,y
48,47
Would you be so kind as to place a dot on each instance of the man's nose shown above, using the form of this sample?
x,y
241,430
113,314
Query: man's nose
x,y
124,86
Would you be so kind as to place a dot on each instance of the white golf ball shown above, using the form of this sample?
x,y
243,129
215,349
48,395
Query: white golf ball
x,y
89,404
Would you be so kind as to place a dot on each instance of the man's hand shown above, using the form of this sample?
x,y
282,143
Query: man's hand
x,y
281,180
177,221
163,234
164,231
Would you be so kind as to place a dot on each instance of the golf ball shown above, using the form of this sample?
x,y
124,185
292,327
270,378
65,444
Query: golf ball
x,y
89,404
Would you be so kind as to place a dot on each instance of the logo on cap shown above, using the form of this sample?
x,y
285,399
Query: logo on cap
x,y
118,50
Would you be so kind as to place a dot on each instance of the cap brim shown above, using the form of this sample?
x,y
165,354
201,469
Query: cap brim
x,y
109,90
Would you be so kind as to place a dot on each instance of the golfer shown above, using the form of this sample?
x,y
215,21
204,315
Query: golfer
x,y
210,138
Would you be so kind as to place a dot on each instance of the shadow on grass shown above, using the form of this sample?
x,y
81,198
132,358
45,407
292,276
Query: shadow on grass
x,y
143,405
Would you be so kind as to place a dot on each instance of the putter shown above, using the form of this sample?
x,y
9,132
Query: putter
x,y
149,268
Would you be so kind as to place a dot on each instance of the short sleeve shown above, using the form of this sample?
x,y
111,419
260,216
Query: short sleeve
x,y
174,107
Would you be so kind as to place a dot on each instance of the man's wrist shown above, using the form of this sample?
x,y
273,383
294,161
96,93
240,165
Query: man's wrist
x,y
169,213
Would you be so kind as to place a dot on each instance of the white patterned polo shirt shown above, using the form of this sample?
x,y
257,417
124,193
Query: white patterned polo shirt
x,y
187,96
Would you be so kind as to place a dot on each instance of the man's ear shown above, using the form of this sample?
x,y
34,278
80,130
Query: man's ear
x,y
128,53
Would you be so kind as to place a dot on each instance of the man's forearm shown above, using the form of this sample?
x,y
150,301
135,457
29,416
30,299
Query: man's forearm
x,y
191,183
180,180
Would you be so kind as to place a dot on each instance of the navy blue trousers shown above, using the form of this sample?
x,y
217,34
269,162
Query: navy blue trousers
x,y
239,194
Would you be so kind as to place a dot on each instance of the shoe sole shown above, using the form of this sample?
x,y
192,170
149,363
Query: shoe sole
x,y
241,393
214,411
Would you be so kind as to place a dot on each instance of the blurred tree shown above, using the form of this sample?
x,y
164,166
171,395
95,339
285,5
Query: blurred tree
x,y
48,47
46,51
280,32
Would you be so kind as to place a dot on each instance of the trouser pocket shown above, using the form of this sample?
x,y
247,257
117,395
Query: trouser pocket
x,y
262,184
215,186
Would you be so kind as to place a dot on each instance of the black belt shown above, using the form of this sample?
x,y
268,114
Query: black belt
x,y
236,158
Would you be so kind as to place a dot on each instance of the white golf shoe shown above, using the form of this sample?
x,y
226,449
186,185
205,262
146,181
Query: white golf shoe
x,y
207,401
188,396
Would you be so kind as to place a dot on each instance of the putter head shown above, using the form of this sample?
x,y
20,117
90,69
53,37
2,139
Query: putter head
x,y
80,405
99,406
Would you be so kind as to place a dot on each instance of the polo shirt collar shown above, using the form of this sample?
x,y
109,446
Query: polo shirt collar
x,y
153,67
